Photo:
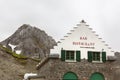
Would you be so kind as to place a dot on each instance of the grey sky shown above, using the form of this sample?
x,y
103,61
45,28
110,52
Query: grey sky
x,y
57,17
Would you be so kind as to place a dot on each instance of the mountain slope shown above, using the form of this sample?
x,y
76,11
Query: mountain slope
x,y
30,41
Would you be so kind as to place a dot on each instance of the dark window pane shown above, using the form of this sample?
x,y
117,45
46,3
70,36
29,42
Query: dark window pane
x,y
70,55
96,56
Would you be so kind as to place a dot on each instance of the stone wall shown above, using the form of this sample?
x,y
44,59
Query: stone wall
x,y
54,69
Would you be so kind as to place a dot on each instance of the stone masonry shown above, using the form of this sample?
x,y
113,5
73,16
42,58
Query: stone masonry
x,y
54,69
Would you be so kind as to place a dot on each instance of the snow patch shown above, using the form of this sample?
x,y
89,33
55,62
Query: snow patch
x,y
27,75
4,46
12,46
21,32
18,51
13,49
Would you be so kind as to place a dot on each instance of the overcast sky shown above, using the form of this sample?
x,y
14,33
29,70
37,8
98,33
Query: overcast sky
x,y
57,17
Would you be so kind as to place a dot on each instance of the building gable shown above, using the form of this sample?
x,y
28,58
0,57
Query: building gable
x,y
82,38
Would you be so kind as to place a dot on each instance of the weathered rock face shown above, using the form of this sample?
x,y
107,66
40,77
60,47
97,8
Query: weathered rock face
x,y
30,41
14,69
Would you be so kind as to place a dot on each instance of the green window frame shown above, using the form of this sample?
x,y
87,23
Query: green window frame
x,y
89,56
70,55
63,55
78,56
96,56
104,56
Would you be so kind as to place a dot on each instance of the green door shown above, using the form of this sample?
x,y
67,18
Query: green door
x,y
70,76
97,76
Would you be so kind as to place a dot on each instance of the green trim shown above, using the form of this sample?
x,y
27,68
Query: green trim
x,y
96,56
104,56
89,56
70,76
93,57
69,55
78,56
63,55
97,76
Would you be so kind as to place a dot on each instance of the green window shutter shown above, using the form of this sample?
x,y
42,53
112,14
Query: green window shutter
x,y
89,56
104,56
63,55
78,55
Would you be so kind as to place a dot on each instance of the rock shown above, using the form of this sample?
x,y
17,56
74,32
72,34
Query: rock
x,y
32,41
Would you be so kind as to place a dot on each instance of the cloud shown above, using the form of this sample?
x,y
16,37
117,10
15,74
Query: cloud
x,y
58,17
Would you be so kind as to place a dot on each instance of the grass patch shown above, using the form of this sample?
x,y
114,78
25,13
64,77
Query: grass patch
x,y
35,59
19,56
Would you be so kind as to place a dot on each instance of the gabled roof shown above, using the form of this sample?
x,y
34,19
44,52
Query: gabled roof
x,y
82,30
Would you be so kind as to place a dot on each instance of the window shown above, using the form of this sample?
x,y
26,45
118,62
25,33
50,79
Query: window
x,y
70,55
96,56
70,76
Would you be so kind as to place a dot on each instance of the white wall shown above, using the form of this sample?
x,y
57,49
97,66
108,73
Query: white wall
x,y
82,31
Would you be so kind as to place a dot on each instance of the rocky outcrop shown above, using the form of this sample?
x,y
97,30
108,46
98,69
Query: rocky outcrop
x,y
13,68
30,41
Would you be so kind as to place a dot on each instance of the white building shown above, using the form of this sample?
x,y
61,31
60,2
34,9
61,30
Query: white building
x,y
82,43
80,55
